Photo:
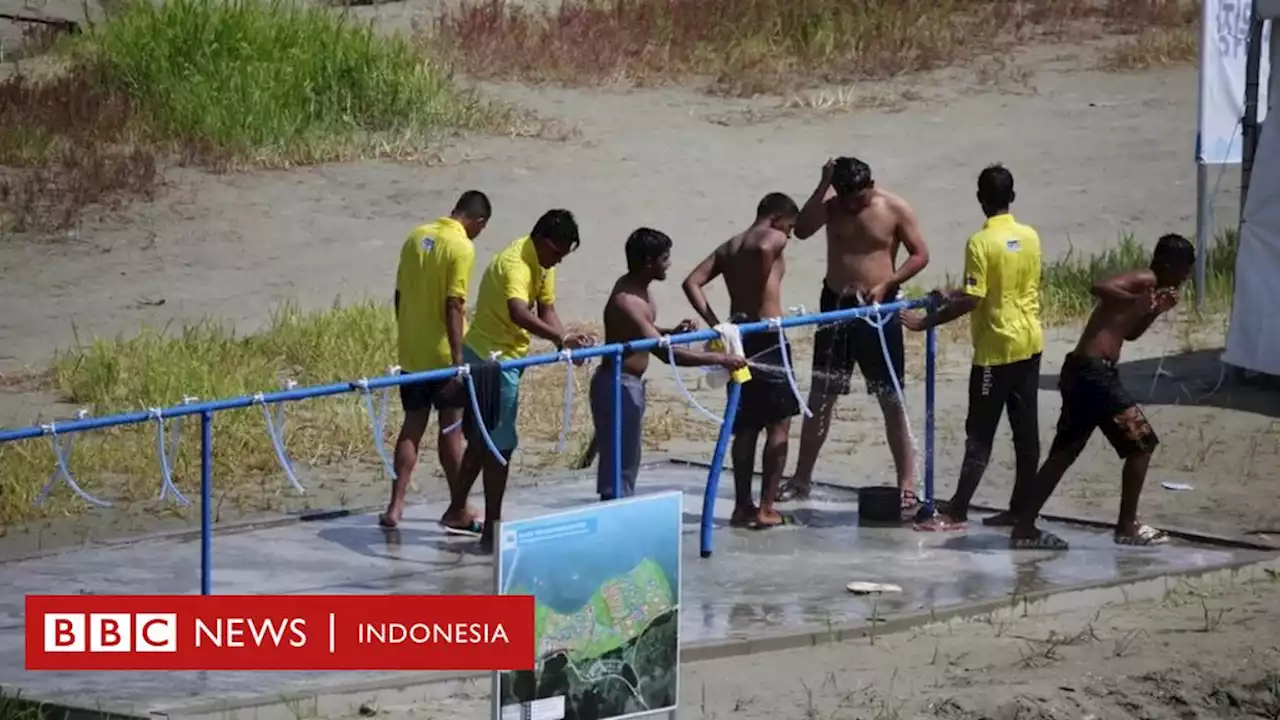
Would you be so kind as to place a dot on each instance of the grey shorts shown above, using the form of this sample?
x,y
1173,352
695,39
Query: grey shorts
x,y
632,429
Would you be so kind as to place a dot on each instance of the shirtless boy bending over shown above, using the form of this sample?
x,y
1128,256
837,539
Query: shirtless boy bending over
x,y
866,227
753,266
1093,397
630,314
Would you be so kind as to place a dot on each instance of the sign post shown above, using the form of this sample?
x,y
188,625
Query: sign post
x,y
1224,46
605,579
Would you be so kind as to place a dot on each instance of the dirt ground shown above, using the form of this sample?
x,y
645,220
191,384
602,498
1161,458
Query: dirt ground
x,y
1200,652
1095,155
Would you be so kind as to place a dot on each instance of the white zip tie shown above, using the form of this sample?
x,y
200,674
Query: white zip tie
x,y
61,456
465,372
665,341
776,324
277,441
566,417
166,472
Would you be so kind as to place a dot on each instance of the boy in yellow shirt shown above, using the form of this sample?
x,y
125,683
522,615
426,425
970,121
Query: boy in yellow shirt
x,y
430,299
516,300
1001,294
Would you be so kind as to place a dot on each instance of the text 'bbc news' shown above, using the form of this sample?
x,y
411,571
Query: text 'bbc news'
x,y
279,633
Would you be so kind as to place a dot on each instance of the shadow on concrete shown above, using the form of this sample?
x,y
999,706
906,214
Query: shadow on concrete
x,y
1196,379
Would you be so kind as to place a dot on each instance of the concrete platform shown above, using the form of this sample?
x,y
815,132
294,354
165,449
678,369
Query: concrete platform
x,y
760,590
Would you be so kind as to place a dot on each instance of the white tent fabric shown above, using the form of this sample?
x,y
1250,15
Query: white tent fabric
x,y
1253,337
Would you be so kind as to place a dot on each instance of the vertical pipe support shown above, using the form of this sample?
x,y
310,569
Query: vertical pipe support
x,y
717,461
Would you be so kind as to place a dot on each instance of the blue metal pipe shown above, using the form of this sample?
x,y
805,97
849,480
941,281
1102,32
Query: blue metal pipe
x,y
930,385
303,393
717,462
206,502
617,426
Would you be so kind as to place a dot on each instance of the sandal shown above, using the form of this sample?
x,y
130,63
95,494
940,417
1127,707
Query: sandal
x,y
472,530
1043,540
1144,536
791,491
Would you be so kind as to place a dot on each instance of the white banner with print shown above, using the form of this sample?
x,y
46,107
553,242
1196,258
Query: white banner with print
x,y
1224,45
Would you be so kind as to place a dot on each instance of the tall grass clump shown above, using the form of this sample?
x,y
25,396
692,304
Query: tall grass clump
x,y
273,80
223,83
1066,282
749,46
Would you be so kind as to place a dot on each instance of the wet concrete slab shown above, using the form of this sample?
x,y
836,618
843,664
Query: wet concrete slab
x,y
756,585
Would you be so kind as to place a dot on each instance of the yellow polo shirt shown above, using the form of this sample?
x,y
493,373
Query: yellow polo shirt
x,y
1002,269
435,264
513,274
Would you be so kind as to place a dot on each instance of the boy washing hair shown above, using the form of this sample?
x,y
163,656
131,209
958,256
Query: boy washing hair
x,y
1093,396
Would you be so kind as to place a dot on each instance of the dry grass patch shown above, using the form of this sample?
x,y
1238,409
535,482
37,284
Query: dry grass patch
x,y
754,46
1156,47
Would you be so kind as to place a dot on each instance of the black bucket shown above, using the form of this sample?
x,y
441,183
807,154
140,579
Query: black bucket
x,y
880,505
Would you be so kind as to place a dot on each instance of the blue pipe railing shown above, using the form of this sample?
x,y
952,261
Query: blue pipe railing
x,y
206,411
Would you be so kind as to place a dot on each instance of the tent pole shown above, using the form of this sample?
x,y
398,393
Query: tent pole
x,y
1252,70
1204,210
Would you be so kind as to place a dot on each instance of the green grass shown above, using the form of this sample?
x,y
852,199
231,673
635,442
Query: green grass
x,y
157,367
274,79
1067,280
226,84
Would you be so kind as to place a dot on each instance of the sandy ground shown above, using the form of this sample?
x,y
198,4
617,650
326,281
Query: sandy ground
x,y
1200,652
1095,154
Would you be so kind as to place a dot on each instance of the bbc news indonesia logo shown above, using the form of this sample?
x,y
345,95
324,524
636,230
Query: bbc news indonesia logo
x,y
279,632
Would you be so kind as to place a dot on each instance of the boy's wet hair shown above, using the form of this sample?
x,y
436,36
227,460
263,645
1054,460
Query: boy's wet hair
x,y
1173,251
559,228
645,246
777,204
850,175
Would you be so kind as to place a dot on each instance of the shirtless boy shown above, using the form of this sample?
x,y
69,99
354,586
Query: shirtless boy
x,y
630,314
1093,397
753,266
865,227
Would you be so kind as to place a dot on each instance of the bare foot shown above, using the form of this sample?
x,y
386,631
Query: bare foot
x,y
743,517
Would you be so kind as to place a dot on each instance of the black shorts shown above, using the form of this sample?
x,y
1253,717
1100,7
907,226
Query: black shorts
x,y
767,398
1093,397
427,394
839,348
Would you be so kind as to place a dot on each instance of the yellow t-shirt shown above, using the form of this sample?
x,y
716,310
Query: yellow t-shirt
x,y
513,274
1002,268
435,264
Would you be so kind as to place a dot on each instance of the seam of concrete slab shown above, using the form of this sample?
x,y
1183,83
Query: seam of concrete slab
x,y
1195,536
267,523
412,687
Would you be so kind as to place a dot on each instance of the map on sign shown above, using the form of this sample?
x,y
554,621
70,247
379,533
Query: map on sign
x,y
605,581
